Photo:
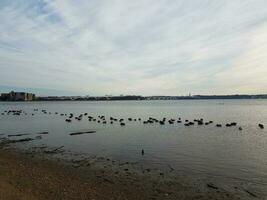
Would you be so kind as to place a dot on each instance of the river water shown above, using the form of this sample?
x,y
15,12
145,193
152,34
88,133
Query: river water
x,y
205,150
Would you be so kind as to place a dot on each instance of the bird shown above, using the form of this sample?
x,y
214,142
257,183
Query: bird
x,y
261,126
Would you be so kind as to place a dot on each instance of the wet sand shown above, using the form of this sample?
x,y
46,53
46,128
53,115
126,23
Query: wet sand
x,y
32,176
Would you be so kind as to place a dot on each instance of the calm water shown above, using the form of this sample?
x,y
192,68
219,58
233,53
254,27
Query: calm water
x,y
204,150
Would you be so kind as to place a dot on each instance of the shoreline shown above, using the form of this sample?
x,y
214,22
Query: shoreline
x,y
135,100
30,175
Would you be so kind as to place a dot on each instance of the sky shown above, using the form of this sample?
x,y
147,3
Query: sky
x,y
141,47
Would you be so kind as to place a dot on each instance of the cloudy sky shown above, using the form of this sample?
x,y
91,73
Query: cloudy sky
x,y
146,47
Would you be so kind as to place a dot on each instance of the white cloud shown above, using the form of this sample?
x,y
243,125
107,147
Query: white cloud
x,y
249,69
138,47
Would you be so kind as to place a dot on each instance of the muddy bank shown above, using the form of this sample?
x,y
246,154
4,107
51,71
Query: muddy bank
x,y
45,172
32,176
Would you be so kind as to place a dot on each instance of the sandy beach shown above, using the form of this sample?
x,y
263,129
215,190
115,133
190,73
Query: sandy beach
x,y
27,176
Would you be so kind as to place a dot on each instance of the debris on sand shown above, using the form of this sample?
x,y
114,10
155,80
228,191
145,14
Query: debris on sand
x,y
171,168
39,147
80,133
56,150
210,185
250,193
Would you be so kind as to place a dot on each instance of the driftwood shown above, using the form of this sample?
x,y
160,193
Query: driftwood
x,y
79,133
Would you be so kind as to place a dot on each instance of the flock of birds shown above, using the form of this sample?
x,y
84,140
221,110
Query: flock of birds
x,y
103,120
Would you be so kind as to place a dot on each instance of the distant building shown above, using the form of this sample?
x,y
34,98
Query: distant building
x,y
17,96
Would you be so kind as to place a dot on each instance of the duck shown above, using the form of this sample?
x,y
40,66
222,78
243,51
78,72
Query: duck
x,y
261,126
68,120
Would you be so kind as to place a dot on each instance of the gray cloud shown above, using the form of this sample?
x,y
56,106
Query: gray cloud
x,y
134,47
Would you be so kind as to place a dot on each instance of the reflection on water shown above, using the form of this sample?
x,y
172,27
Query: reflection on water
x,y
206,150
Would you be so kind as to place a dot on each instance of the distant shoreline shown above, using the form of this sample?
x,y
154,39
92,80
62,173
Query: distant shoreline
x,y
142,98
45,99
